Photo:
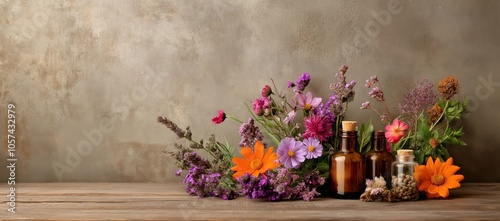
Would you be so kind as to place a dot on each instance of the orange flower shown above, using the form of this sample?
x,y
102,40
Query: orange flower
x,y
436,178
256,162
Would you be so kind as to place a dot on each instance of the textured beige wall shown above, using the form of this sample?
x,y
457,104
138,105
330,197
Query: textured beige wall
x,y
108,68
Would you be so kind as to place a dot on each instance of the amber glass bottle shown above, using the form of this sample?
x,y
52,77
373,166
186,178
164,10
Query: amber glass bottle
x,y
378,161
347,169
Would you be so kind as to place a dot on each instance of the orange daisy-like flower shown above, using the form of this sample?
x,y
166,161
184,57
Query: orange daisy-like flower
x,y
437,178
256,162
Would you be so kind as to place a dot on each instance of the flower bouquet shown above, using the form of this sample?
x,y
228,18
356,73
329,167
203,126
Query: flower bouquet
x,y
306,130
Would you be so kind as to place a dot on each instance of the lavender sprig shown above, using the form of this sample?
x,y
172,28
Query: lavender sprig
x,y
417,100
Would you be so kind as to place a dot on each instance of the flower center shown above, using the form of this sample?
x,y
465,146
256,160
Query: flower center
x,y
437,179
256,164
291,153
307,107
310,148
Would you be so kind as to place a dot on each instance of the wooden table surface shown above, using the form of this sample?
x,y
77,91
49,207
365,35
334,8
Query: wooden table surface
x,y
153,201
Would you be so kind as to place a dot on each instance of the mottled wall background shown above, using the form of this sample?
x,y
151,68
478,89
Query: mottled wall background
x,y
90,77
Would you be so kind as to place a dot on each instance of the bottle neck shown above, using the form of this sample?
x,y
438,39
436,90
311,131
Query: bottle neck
x,y
349,141
379,141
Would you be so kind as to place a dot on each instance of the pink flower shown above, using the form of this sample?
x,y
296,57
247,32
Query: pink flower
x,y
317,127
307,102
290,117
219,118
395,131
266,91
260,104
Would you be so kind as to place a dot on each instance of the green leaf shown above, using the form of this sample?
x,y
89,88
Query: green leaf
x,y
273,138
323,167
419,157
364,137
445,153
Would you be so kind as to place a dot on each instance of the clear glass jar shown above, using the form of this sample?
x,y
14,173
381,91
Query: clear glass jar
x,y
405,176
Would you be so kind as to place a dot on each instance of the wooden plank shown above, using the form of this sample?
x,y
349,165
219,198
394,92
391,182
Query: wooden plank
x,y
152,201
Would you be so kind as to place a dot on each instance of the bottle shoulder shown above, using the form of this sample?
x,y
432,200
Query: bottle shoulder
x,y
350,154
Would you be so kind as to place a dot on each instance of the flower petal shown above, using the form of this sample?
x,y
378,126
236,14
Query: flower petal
x,y
439,166
268,166
423,173
259,150
453,182
268,154
450,170
301,100
425,185
238,174
316,101
255,173
431,166
433,189
443,191
241,164
247,153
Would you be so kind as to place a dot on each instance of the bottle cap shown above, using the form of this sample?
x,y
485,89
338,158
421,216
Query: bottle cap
x,y
405,152
348,125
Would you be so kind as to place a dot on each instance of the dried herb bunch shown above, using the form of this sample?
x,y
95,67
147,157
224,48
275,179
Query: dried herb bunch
x,y
204,178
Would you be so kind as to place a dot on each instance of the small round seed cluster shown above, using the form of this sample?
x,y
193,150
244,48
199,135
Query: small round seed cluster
x,y
404,187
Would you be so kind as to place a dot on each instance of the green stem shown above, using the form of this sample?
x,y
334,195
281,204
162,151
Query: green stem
x,y
235,119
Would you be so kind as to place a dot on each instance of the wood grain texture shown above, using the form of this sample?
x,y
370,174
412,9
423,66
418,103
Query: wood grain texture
x,y
153,201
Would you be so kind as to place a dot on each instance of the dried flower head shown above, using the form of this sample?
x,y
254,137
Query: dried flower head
x,y
435,113
448,87
434,142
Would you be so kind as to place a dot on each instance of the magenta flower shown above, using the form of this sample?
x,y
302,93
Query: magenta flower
x,y
313,148
219,118
291,153
266,91
260,104
307,102
395,131
317,127
290,117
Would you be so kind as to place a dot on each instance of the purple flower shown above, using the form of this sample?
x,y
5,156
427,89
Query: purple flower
x,y
324,111
317,127
307,102
303,81
290,117
281,184
365,105
291,84
250,134
343,90
417,100
291,153
377,94
178,173
313,147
